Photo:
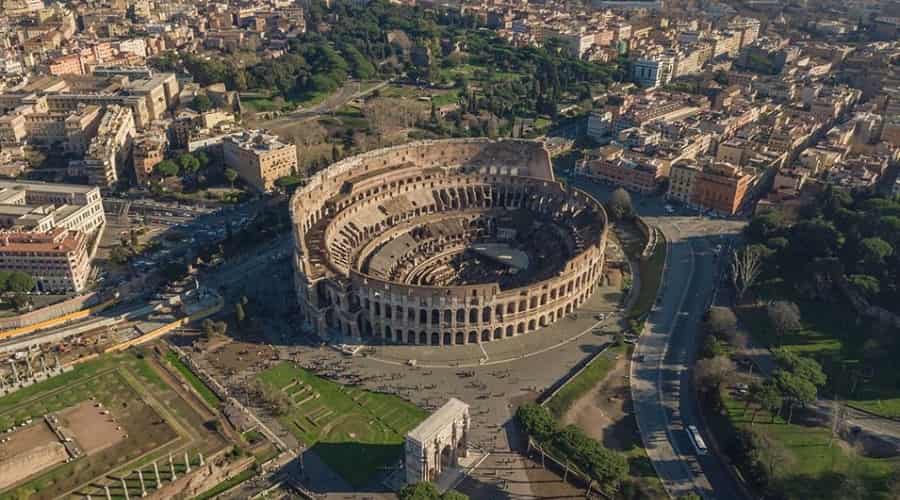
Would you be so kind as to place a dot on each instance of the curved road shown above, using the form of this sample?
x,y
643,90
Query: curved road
x,y
664,403
661,390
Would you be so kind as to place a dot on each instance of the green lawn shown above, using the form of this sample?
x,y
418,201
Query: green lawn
x,y
651,271
584,381
805,461
226,485
832,335
354,431
202,389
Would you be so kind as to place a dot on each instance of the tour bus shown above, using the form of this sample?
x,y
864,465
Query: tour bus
x,y
696,440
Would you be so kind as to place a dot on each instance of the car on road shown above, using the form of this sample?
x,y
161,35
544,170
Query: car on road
x,y
669,209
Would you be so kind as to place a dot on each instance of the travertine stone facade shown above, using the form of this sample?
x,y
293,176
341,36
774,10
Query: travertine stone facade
x,y
384,243
436,443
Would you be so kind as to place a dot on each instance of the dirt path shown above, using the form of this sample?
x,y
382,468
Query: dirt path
x,y
605,412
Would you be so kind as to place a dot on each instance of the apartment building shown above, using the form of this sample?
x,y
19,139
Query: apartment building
x,y
721,187
681,181
259,158
40,206
610,164
109,150
57,259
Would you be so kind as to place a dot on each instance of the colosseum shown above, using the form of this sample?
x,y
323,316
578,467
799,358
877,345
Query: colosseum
x,y
444,242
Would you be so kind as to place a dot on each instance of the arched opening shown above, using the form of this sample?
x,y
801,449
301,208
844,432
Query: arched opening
x,y
486,315
498,333
520,328
448,338
388,333
423,338
460,315
435,316
543,321
485,336
473,316
473,337
448,316
509,331
446,457
459,338
531,325
423,316
511,308
435,338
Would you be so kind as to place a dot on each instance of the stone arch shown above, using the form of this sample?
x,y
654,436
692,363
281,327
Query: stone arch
x,y
448,338
485,335
498,333
531,325
521,327
423,338
486,314
473,316
473,337
460,315
509,331
435,338
448,316
460,338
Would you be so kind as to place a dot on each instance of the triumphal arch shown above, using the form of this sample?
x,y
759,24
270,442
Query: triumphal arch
x,y
438,442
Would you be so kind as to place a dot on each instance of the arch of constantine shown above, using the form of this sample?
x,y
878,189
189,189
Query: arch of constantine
x,y
443,243
437,443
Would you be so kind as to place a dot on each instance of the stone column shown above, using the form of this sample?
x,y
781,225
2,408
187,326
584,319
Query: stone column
x,y
108,496
200,456
15,372
156,473
124,488
141,479
172,469
187,463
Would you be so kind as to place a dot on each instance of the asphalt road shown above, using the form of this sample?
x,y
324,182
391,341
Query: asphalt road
x,y
660,380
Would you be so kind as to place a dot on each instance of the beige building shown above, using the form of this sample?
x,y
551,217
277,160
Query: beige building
x,y
259,158
681,182
109,150
57,259
39,206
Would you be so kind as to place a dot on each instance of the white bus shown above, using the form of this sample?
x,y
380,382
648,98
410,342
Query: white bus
x,y
696,440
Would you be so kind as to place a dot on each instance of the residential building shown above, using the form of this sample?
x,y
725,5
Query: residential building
x,y
57,259
721,187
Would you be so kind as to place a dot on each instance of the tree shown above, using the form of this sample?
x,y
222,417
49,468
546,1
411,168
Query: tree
x,y
712,372
766,396
19,282
454,495
202,158
800,366
422,490
201,103
166,168
620,204
796,390
721,322
873,251
231,175
745,269
784,316
189,164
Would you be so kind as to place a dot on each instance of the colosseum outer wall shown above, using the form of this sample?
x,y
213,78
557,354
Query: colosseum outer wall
x,y
348,207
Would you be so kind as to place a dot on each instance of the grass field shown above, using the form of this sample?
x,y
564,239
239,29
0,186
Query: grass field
x,y
584,381
205,392
832,335
354,431
651,271
226,485
806,463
